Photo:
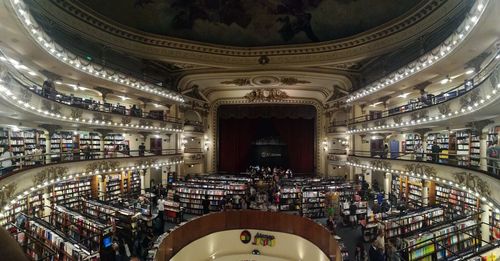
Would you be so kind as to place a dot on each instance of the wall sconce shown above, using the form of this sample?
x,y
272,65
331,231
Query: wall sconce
x,y
325,145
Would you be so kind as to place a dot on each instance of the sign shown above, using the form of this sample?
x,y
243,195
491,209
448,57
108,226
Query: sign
x,y
264,240
245,237
259,239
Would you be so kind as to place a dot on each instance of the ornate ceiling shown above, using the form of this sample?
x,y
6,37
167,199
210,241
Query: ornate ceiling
x,y
319,49
251,23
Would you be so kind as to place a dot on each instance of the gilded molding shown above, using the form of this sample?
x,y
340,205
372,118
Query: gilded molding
x,y
115,29
266,95
319,119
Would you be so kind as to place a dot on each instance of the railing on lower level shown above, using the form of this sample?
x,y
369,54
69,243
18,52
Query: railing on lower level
x,y
484,164
11,165
248,219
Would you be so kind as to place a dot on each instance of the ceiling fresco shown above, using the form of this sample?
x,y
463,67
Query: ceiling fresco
x,y
253,23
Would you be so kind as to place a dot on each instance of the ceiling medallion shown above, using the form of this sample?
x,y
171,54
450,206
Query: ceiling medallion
x,y
267,94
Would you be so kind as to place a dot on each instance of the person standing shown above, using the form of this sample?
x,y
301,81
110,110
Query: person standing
x,y
161,213
435,149
6,160
142,149
385,152
206,205
37,155
419,152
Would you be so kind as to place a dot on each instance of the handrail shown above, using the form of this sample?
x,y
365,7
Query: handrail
x,y
44,159
486,164
92,106
443,97
248,219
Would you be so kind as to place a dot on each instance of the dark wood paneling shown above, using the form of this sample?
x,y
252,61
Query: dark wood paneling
x,y
228,220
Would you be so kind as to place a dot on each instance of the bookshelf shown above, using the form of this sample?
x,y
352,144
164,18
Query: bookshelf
x,y
494,226
172,209
475,149
444,242
463,148
492,135
17,143
404,225
113,187
61,142
135,183
4,139
50,238
443,141
411,141
92,139
112,140
415,195
192,194
396,186
68,193
78,227
313,201
458,203
289,198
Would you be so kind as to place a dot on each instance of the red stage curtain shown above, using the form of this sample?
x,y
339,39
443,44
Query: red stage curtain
x,y
236,137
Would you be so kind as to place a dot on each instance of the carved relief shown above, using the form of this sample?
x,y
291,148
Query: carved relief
x,y
266,95
99,165
76,113
380,122
292,81
422,169
7,192
397,119
381,164
353,160
51,106
473,182
50,128
145,122
470,98
238,82
126,120
26,95
48,174
444,108
98,116
418,114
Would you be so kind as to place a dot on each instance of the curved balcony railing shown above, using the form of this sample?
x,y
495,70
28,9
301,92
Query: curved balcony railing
x,y
19,95
87,104
487,165
485,91
431,57
25,162
80,63
432,100
248,219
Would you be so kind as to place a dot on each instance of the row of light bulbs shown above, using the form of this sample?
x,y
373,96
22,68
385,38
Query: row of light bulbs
x,y
39,187
425,120
429,58
425,177
76,62
8,95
